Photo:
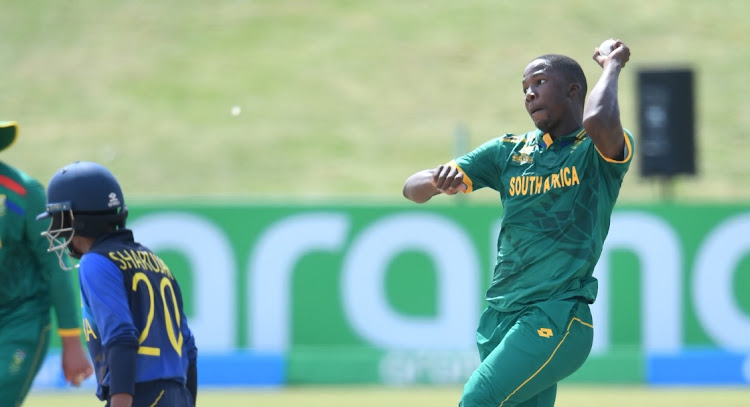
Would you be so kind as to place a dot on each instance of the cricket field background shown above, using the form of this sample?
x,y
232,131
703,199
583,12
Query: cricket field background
x,y
262,146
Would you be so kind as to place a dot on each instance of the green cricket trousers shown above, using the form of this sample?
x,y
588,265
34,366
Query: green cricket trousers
x,y
525,353
24,338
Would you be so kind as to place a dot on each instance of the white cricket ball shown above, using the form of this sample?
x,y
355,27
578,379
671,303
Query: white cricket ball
x,y
236,111
606,47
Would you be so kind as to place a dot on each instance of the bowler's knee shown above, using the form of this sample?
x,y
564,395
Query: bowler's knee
x,y
478,394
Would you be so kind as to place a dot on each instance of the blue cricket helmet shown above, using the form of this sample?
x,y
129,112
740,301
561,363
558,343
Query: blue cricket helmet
x,y
88,186
83,198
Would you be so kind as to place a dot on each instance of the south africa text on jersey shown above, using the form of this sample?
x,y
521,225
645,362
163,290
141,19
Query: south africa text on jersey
x,y
533,184
140,260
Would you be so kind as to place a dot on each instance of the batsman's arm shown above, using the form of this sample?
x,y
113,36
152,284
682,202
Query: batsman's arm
x,y
192,380
192,354
103,287
122,357
121,400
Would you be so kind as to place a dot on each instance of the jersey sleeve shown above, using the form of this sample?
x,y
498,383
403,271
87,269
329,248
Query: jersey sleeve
x,y
36,201
63,298
66,303
189,346
192,349
481,167
616,169
104,288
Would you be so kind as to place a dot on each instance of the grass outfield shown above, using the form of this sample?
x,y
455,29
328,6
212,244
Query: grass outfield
x,y
338,98
568,396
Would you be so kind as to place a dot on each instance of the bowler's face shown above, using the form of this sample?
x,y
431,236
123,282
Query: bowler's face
x,y
544,94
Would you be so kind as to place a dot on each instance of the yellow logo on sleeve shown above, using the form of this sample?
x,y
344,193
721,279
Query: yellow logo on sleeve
x,y
544,332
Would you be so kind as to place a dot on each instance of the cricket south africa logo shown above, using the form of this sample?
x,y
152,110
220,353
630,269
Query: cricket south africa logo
x,y
524,156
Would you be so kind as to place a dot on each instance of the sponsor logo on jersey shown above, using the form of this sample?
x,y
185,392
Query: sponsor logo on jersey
x,y
88,330
544,332
522,158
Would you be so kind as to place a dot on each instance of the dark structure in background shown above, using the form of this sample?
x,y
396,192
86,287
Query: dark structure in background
x,y
667,122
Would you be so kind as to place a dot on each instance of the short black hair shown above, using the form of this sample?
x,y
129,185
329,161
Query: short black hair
x,y
569,68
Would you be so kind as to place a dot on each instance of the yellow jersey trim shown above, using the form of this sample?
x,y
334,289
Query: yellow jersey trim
x,y
69,332
547,139
546,362
149,350
627,144
161,394
6,142
467,180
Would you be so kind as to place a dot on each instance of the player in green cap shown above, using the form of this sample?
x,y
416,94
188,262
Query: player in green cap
x,y
558,185
31,283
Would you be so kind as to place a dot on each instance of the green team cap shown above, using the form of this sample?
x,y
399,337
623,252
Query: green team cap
x,y
8,131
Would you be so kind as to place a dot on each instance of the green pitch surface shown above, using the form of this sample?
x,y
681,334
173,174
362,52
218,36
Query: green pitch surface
x,y
568,396
338,98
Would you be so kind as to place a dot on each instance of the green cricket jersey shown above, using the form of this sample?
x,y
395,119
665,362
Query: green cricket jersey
x,y
31,280
557,200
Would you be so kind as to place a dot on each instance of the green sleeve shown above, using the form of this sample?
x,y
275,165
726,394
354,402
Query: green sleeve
x,y
64,300
481,165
